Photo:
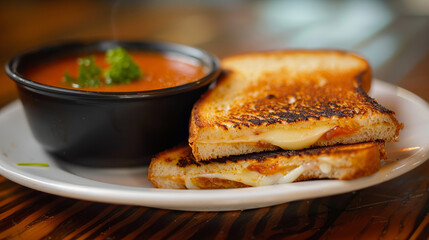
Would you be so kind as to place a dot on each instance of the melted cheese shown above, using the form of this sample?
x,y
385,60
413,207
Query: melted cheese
x,y
292,175
325,168
189,184
251,178
294,139
288,139
255,179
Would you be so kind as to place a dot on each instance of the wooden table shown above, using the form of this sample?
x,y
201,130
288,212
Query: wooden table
x,y
397,209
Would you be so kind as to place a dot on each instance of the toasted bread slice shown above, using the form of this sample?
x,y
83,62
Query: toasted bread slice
x,y
177,168
290,100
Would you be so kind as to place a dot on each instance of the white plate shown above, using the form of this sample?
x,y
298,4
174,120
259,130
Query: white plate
x,y
130,186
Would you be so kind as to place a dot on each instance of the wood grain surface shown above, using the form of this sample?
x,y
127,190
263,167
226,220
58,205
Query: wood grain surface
x,y
397,209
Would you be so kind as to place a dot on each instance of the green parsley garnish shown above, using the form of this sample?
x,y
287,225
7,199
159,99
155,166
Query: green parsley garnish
x,y
89,74
34,164
122,69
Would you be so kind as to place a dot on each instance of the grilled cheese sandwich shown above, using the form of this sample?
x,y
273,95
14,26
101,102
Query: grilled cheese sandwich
x,y
177,168
281,117
290,100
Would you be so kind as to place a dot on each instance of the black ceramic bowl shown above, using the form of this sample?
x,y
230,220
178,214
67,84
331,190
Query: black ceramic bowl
x,y
106,128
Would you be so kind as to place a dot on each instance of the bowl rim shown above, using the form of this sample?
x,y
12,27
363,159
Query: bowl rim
x,y
212,74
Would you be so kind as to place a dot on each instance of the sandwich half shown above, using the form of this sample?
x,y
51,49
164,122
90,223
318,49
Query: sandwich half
x,y
178,169
288,100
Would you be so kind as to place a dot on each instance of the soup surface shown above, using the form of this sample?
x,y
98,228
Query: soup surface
x,y
158,71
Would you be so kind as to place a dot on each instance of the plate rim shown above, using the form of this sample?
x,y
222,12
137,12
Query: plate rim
x,y
220,199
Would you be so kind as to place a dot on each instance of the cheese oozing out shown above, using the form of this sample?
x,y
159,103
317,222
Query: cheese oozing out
x,y
294,139
256,179
287,139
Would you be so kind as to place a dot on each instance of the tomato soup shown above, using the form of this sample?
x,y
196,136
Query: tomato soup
x,y
158,71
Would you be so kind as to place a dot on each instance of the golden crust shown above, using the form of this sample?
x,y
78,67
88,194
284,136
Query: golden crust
x,y
347,162
365,79
249,96
268,100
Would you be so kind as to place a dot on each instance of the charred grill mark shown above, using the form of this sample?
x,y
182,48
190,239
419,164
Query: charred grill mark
x,y
258,121
185,161
222,126
238,123
301,106
301,113
302,103
372,101
297,106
